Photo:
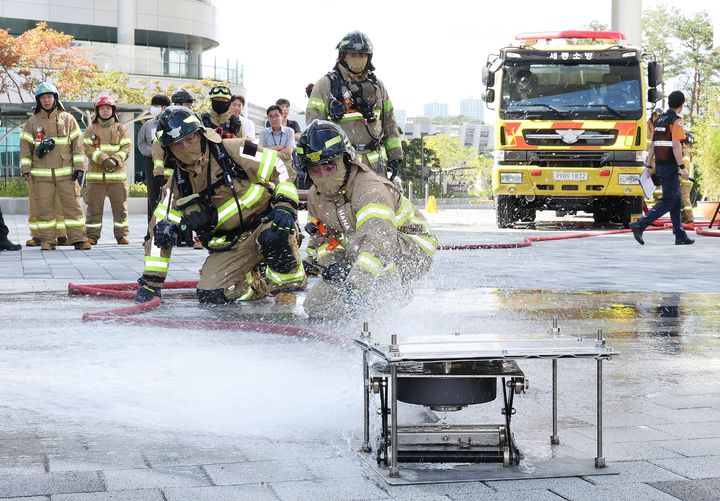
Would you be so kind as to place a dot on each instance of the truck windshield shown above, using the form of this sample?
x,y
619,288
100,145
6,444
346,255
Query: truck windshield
x,y
571,91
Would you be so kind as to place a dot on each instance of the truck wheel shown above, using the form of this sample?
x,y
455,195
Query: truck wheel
x,y
527,215
602,216
505,211
630,206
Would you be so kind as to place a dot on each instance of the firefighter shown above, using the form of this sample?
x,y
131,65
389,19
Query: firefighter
x,y
219,117
34,240
107,146
354,97
666,150
240,203
51,155
687,184
367,241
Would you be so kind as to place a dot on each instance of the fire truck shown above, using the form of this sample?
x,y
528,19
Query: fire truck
x,y
571,132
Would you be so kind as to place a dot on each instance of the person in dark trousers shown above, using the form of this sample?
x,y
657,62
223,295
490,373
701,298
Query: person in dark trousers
x,y
6,244
666,149
145,138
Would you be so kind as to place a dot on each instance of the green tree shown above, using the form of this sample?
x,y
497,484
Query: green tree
x,y
707,147
411,169
656,40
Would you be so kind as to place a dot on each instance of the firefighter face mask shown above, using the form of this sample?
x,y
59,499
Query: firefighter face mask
x,y
188,151
329,177
220,106
356,61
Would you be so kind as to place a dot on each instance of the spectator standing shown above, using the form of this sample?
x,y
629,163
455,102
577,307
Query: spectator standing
x,y
145,139
237,108
280,138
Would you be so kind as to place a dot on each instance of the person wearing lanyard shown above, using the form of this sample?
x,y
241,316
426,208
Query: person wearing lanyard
x,y
279,138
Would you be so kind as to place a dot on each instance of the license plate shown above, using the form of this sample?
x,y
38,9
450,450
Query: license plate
x,y
570,176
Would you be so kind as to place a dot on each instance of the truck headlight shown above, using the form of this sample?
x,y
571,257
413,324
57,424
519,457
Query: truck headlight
x,y
628,178
510,177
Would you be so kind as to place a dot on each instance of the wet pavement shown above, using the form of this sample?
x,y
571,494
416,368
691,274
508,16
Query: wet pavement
x,y
93,411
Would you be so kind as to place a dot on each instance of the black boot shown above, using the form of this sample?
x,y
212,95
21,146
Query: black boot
x,y
6,244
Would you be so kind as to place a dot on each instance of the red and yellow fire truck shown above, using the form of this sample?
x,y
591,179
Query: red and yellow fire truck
x,y
570,130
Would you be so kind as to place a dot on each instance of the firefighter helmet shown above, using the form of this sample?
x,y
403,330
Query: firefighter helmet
x,y
176,123
182,96
321,142
47,88
220,91
105,101
355,41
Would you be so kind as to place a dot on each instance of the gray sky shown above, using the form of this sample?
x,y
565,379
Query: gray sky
x,y
424,51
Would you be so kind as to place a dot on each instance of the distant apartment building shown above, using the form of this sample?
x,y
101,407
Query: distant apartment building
x,y
476,135
400,117
472,108
436,110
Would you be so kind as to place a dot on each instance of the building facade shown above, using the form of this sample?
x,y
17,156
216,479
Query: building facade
x,y
472,108
436,110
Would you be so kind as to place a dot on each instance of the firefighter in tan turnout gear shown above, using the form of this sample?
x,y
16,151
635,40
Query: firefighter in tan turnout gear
x,y
51,156
107,146
352,96
368,243
240,203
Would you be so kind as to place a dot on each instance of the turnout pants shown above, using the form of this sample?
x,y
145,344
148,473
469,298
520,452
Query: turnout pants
x,y
670,201
95,193
685,188
68,191
244,273
33,218
378,295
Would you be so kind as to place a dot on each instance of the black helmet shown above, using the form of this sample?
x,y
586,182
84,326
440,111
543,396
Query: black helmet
x,y
176,123
321,142
355,42
182,96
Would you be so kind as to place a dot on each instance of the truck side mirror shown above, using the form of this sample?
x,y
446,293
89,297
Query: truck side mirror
x,y
488,96
654,95
655,73
488,77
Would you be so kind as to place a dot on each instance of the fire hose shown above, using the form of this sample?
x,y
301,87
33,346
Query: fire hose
x,y
127,291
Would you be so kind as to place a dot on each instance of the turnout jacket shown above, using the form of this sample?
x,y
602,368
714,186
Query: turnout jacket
x,y
67,155
229,123
356,127
265,186
364,227
106,141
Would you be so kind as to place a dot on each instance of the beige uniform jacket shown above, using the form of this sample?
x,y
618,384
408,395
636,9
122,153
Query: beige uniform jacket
x,y
67,155
353,123
367,221
101,142
265,187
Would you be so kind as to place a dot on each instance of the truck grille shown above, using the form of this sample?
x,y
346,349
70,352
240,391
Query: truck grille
x,y
551,137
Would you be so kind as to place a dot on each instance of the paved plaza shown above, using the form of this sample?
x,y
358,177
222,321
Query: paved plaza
x,y
109,412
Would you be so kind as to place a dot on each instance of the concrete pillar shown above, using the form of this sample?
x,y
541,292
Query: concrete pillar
x,y
130,161
194,68
126,10
626,17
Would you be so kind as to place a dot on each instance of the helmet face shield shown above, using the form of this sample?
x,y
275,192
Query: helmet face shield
x,y
220,92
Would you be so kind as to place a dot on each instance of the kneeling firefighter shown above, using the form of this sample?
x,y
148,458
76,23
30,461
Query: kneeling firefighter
x,y
239,202
367,241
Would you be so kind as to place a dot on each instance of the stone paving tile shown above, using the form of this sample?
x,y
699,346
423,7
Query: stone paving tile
x,y
691,490
536,484
180,476
697,467
257,472
130,495
690,401
624,492
530,495
695,415
92,461
186,456
32,498
616,451
49,483
21,464
329,490
709,429
636,471
334,467
625,434
694,447
449,490
224,493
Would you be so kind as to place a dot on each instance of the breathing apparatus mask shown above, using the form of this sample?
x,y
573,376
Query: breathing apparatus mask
x,y
220,106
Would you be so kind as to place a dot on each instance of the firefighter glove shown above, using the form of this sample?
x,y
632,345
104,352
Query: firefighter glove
x,y
394,166
198,214
45,146
146,292
283,218
336,272
77,175
312,268
109,164
166,234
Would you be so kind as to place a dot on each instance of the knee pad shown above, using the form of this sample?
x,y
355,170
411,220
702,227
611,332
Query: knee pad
x,y
214,296
277,251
